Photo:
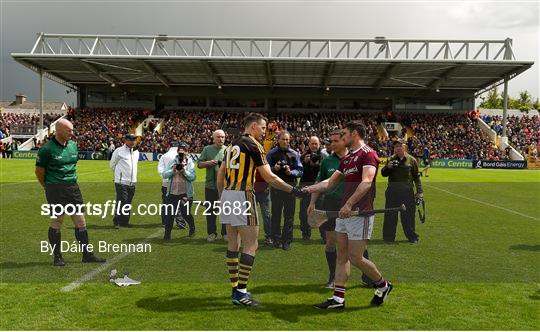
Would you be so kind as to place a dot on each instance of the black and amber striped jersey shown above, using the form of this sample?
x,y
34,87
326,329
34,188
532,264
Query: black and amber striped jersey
x,y
242,158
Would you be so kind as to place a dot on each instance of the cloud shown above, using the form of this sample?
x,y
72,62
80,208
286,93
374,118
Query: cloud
x,y
502,15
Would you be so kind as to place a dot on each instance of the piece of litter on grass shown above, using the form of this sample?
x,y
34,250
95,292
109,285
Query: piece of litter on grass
x,y
122,282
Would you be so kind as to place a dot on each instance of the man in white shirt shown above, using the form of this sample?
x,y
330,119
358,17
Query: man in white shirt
x,y
163,162
124,161
111,149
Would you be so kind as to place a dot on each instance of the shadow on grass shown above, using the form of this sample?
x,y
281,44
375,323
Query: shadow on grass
x,y
526,247
21,265
281,310
180,239
535,296
382,242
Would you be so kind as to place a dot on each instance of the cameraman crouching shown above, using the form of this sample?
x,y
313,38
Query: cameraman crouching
x,y
181,174
401,170
286,164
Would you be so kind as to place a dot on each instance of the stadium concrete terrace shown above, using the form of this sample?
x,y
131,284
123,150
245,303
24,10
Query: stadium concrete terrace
x,y
388,74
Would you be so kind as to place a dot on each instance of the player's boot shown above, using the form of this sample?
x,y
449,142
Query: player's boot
x,y
244,299
330,303
91,258
380,296
58,260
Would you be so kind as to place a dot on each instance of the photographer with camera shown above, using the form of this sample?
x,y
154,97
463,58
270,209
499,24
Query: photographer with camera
x,y
286,164
311,161
180,173
211,158
402,171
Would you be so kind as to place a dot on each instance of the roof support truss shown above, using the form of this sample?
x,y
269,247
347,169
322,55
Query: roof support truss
x,y
96,72
154,73
272,48
212,74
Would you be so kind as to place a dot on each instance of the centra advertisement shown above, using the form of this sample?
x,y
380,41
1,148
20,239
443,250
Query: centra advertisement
x,y
25,154
452,163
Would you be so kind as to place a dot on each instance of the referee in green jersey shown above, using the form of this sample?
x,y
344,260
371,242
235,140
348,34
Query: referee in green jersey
x,y
332,201
56,171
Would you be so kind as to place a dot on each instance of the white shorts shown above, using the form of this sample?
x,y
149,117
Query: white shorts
x,y
356,228
242,209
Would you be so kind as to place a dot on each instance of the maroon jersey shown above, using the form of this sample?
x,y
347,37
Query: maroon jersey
x,y
352,167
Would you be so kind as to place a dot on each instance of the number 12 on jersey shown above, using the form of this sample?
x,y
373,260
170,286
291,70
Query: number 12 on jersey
x,y
232,153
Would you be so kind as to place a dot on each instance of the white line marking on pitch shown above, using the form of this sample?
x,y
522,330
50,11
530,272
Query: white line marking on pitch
x,y
482,202
90,275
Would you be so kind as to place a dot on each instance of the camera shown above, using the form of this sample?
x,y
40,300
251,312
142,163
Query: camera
x,y
181,157
315,157
282,163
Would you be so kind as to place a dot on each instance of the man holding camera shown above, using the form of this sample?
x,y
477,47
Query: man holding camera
x,y
163,162
286,164
124,162
211,159
311,161
402,172
181,174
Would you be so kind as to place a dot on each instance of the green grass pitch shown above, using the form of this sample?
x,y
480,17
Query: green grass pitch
x,y
476,266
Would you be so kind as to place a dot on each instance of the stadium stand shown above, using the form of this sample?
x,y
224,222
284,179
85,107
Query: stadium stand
x,y
453,136
523,131
449,135
10,120
97,126
179,125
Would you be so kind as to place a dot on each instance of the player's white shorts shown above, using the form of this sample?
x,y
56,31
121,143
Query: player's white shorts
x,y
356,228
242,209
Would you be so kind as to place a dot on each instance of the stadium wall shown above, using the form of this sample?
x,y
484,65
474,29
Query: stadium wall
x,y
268,99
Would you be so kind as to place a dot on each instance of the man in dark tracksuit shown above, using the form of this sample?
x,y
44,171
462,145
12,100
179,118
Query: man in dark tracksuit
x,y
311,161
402,171
285,163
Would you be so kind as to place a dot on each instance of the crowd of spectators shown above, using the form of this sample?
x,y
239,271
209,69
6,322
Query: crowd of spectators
x,y
522,131
192,127
96,128
447,135
455,136
10,120
195,128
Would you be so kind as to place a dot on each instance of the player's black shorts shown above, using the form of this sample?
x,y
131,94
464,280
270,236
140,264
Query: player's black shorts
x,y
330,204
427,161
63,193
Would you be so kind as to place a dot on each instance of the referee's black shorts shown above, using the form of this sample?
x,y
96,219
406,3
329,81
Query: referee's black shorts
x,y
63,194
330,204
